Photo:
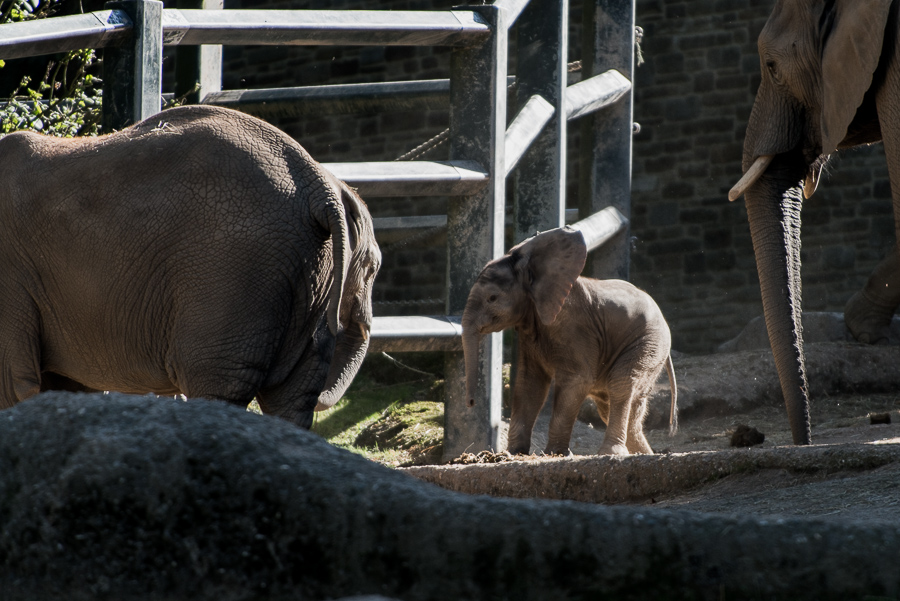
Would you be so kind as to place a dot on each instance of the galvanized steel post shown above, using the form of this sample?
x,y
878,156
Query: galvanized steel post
x,y
475,228
605,170
132,72
540,181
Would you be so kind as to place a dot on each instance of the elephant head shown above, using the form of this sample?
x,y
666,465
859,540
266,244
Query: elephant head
x,y
818,60
525,287
357,259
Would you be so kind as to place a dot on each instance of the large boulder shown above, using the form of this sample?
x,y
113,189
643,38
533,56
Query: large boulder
x,y
116,497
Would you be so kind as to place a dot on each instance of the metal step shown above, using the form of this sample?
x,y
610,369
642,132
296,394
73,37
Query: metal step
x,y
337,99
424,222
416,334
595,93
340,99
412,178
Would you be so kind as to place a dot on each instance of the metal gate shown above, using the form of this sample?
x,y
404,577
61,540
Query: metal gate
x,y
483,150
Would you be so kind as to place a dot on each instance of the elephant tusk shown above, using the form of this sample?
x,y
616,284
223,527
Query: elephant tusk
x,y
812,182
756,169
365,333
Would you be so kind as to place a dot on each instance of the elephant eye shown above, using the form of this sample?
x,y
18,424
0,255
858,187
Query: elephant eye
x,y
772,67
492,298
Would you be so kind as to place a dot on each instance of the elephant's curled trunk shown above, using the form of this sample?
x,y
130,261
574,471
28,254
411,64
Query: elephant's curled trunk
x,y
349,352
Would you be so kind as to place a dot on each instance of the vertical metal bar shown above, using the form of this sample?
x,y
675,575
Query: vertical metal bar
x,y
132,73
475,228
198,69
608,43
540,181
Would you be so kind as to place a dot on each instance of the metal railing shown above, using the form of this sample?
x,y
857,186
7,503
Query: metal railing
x,y
483,151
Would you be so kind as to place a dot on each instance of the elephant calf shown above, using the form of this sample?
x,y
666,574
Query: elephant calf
x,y
603,339
201,252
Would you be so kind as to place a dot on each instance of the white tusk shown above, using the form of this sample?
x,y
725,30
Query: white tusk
x,y
365,333
756,169
812,182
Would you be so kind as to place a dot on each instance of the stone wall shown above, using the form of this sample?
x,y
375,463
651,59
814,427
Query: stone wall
x,y
693,251
693,95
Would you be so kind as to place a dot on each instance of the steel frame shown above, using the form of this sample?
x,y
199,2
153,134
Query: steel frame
x,y
483,151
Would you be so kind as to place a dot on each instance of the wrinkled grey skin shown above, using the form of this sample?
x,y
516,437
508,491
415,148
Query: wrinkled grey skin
x,y
600,338
830,80
201,252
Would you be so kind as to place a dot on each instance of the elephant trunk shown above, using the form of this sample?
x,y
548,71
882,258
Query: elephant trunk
x,y
773,208
349,352
471,340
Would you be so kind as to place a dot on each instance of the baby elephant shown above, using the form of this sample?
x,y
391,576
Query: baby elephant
x,y
603,339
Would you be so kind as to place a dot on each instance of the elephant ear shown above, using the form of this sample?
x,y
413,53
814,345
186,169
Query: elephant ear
x,y
549,263
850,56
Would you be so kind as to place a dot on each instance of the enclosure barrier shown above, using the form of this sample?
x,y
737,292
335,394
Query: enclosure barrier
x,y
483,151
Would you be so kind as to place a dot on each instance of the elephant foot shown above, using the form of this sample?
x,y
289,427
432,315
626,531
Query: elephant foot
x,y
519,449
868,320
557,450
613,449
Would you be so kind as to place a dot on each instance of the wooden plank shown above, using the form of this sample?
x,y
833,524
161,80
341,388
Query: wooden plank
x,y
511,10
327,27
595,93
524,129
337,99
411,178
601,227
62,34
431,221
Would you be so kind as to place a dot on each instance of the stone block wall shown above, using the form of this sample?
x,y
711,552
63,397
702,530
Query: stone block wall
x,y
693,95
693,251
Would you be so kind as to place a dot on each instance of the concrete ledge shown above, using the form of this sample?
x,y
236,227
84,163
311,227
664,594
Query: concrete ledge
x,y
609,479
127,498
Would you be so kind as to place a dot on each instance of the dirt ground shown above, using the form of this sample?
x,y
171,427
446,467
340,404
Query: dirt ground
x,y
851,472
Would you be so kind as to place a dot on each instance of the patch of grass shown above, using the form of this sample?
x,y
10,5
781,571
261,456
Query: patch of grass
x,y
364,403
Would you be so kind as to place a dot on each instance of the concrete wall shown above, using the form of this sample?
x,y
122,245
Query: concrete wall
x,y
693,96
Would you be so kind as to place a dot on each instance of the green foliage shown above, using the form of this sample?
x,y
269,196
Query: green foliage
x,y
12,11
66,101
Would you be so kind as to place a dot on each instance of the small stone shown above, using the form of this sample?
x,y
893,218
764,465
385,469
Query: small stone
x,y
745,436
880,418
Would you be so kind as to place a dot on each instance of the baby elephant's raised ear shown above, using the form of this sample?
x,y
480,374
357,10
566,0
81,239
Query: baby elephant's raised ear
x,y
550,263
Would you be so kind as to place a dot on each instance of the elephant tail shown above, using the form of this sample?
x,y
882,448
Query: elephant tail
x,y
673,410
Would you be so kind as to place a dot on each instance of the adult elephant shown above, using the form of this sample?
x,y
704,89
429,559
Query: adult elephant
x,y
201,252
830,80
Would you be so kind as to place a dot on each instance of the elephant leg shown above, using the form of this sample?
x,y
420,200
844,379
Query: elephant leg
x,y
635,441
529,395
627,409
204,374
295,398
20,377
869,312
54,381
567,400
601,400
